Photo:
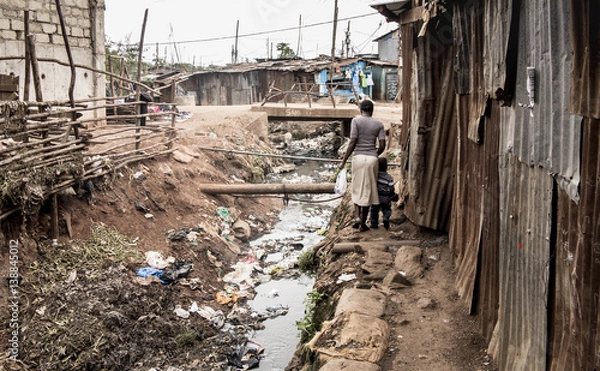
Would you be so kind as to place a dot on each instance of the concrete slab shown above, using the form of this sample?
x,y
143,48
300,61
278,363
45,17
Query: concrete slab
x,y
305,113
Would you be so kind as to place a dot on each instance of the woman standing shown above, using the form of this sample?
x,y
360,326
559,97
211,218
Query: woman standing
x,y
367,141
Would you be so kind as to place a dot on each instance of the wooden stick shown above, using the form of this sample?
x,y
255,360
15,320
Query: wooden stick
x,y
63,28
62,63
27,82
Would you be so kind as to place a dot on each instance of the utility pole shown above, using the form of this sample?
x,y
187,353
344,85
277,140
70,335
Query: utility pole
x,y
348,41
335,18
237,32
268,57
299,36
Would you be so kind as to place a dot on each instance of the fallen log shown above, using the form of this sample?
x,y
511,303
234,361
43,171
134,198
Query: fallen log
x,y
266,188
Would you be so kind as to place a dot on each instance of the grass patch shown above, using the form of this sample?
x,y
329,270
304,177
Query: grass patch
x,y
106,245
306,261
309,325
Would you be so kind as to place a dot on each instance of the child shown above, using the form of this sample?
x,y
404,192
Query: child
x,y
385,190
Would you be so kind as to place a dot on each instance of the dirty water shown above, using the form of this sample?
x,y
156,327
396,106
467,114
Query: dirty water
x,y
300,228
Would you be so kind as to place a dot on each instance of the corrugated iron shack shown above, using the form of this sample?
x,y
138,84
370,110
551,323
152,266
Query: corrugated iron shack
x,y
251,83
501,126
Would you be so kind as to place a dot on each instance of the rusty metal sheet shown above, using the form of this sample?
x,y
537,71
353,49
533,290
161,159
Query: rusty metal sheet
x,y
474,234
475,227
546,135
585,74
500,47
432,145
575,327
520,336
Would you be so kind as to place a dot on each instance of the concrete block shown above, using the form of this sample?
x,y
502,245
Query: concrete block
x,y
84,22
8,35
4,24
82,42
17,25
35,5
41,38
48,28
368,302
42,16
76,32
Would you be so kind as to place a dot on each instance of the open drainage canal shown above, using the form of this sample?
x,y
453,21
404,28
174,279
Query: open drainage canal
x,y
301,227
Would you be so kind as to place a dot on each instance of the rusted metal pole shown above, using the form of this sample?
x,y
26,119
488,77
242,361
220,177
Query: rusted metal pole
x,y
266,188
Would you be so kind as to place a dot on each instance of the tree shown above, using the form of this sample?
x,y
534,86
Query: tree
x,y
285,52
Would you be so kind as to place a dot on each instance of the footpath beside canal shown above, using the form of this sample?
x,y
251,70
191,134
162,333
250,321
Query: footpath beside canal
x,y
387,302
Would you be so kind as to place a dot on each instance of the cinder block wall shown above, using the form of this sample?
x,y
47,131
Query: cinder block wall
x,y
85,29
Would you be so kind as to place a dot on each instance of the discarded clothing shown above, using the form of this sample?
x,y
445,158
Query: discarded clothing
x,y
149,271
179,269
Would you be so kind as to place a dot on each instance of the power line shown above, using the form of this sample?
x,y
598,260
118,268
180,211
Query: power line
x,y
220,38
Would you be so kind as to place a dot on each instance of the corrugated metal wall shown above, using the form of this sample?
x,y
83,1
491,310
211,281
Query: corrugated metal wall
x,y
528,255
520,337
547,135
585,75
576,305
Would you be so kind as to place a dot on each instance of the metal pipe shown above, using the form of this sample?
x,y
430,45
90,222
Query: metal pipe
x,y
266,188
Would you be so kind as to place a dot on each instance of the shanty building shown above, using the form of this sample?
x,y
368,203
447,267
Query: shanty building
x,y
501,126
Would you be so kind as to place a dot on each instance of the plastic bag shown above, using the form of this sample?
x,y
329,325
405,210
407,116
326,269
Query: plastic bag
x,y
341,183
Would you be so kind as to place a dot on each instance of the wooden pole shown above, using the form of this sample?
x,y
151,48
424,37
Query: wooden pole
x,y
299,36
139,74
237,32
266,188
63,28
27,82
35,70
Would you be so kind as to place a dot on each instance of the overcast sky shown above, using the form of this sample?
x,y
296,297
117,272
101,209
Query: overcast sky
x,y
205,32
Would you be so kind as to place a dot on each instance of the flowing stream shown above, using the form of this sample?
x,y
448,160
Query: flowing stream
x,y
295,233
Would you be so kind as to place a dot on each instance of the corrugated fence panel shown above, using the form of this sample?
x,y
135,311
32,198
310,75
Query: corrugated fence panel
x,y
432,147
546,135
474,232
487,286
576,307
585,75
519,341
